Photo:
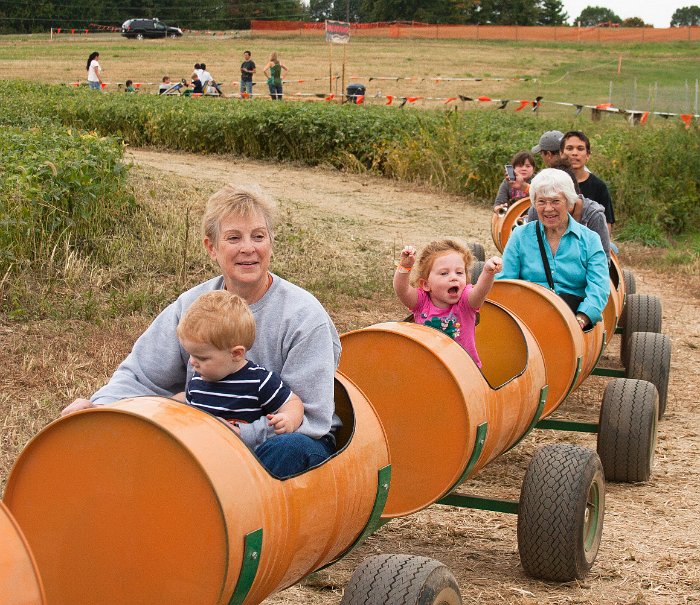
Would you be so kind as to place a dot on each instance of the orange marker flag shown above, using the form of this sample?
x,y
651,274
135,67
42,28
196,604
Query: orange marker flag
x,y
450,100
244,95
330,97
483,98
604,106
138,85
644,118
389,99
687,119
523,105
360,99
104,84
413,99
300,81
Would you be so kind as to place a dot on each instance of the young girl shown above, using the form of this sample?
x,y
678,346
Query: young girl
x,y
94,71
523,164
443,299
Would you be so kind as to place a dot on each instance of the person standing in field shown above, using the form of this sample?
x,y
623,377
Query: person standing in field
x,y
273,72
247,71
94,72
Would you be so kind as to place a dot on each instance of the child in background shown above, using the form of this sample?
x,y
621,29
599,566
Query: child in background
x,y
523,164
164,85
439,295
216,331
129,86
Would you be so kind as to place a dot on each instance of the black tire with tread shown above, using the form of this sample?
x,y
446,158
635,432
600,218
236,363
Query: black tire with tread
x,y
476,270
477,251
560,516
649,358
642,313
401,580
629,281
627,430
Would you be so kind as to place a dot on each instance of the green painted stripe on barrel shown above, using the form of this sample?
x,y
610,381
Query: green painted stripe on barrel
x,y
249,566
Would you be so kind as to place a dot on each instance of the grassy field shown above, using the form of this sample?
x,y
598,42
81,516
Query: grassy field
x,y
654,77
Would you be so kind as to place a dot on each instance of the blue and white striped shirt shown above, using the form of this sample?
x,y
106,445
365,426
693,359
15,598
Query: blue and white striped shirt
x,y
243,396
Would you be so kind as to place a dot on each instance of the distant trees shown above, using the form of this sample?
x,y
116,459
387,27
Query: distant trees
x,y
480,12
687,15
593,15
634,22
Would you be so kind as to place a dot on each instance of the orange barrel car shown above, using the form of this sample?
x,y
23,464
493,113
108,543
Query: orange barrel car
x,y
627,312
431,412
19,576
151,501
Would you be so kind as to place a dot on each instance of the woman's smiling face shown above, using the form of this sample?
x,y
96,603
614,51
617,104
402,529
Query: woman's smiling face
x,y
243,250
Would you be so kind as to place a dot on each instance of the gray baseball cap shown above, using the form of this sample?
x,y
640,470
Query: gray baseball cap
x,y
549,141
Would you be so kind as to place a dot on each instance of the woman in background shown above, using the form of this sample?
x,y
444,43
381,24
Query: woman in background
x,y
273,71
94,70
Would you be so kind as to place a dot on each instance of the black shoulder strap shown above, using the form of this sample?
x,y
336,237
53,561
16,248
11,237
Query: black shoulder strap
x,y
545,261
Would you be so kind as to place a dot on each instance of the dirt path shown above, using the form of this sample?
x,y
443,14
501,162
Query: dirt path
x,y
651,548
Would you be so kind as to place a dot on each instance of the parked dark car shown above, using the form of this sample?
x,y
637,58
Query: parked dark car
x,y
149,28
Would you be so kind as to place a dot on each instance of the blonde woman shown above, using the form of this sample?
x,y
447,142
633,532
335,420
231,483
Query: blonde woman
x,y
273,72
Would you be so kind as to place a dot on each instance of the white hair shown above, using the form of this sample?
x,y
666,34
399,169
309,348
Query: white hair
x,y
550,182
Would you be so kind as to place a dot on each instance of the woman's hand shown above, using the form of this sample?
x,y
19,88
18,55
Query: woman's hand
x,y
76,406
499,208
518,184
582,320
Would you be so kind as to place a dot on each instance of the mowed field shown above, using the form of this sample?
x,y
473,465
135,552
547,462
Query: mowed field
x,y
647,77
650,552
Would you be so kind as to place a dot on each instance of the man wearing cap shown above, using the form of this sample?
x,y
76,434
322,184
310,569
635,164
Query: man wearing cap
x,y
548,147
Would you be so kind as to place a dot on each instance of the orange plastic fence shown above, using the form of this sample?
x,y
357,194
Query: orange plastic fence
x,y
514,33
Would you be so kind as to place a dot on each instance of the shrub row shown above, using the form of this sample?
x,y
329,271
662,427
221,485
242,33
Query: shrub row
x,y
651,170
62,191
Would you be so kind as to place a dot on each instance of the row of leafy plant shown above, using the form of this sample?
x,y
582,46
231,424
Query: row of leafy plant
x,y
651,170
62,190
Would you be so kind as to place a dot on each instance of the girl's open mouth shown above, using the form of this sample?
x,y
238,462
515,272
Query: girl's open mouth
x,y
453,290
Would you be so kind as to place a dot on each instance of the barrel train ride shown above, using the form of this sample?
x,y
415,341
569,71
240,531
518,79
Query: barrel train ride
x,y
151,501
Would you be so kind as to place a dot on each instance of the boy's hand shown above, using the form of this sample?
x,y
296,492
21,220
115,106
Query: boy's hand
x,y
281,422
493,265
408,257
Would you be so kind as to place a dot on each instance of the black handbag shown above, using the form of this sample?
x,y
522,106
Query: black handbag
x,y
572,300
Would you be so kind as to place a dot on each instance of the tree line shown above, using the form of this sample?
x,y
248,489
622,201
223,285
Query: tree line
x,y
23,16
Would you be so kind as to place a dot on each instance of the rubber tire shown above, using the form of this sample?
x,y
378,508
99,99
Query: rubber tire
x,y
560,516
401,580
627,430
476,270
477,251
642,313
629,281
649,358
139,36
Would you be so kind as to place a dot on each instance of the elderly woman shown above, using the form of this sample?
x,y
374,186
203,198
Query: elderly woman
x,y
295,336
578,267
587,212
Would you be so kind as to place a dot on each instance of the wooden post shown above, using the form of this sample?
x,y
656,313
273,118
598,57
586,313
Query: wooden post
x,y
330,68
342,89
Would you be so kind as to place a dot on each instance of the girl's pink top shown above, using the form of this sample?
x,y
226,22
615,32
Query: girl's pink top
x,y
458,321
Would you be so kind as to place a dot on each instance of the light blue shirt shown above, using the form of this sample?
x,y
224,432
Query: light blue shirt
x,y
580,266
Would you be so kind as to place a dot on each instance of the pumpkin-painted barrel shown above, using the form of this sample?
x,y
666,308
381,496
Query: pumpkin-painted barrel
x,y
569,353
504,221
20,581
151,501
432,398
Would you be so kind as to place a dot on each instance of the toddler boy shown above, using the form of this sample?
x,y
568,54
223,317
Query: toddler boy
x,y
216,331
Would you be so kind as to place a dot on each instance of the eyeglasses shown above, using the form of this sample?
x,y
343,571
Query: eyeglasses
x,y
553,203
